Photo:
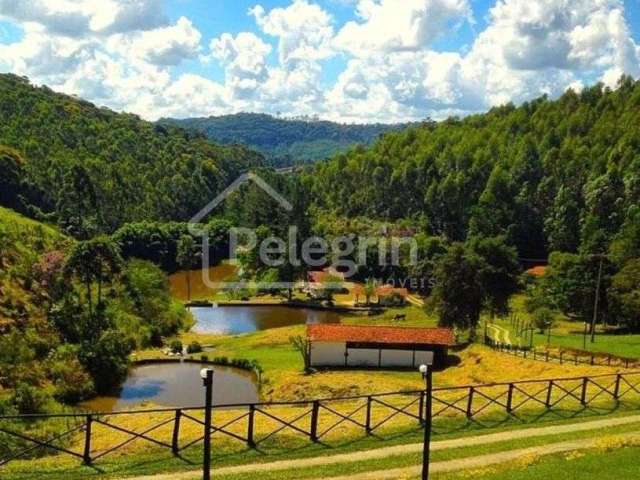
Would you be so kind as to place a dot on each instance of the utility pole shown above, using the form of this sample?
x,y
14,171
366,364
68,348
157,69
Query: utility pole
x,y
596,301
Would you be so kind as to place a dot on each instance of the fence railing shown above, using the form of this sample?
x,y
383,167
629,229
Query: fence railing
x,y
93,436
566,357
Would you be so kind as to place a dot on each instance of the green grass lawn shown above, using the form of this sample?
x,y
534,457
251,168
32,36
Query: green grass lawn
x,y
619,464
570,335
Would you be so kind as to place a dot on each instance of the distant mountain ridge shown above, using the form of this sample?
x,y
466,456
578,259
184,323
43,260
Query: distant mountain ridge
x,y
282,141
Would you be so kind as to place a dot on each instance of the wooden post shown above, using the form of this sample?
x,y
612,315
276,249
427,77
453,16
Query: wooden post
x,y
87,441
548,402
250,424
583,397
576,358
593,360
510,398
314,421
616,391
547,359
368,416
561,355
470,402
175,447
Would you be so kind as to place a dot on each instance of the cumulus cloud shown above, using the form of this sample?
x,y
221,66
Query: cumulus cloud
x,y
161,46
123,54
390,26
78,17
245,61
304,30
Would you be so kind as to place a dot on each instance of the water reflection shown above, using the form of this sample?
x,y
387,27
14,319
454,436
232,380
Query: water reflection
x,y
243,319
175,384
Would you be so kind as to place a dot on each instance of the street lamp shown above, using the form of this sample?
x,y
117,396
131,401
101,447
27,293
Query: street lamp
x,y
428,379
207,381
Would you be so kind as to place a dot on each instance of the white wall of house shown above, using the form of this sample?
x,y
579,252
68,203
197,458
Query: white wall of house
x,y
331,354
327,354
397,358
363,357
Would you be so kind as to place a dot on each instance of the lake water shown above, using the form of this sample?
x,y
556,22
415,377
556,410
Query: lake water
x,y
177,384
242,319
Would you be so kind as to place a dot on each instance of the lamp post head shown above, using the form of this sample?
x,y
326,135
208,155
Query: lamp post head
x,y
205,375
423,369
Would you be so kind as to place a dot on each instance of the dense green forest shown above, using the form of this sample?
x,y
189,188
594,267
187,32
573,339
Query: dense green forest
x,y
550,175
285,142
92,170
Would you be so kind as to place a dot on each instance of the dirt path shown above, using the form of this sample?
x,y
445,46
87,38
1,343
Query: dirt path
x,y
482,461
404,449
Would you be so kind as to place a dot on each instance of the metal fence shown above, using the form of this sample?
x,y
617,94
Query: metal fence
x,y
90,436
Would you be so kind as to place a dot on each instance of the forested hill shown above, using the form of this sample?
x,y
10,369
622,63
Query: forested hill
x,y
285,142
91,169
552,175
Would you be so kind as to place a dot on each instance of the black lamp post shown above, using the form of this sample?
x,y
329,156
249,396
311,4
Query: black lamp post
x,y
428,378
207,381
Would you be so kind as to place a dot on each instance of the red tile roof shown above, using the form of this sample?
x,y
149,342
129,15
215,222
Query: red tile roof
x,y
366,333
538,271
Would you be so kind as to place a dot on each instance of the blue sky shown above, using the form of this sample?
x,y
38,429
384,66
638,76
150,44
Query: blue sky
x,y
347,60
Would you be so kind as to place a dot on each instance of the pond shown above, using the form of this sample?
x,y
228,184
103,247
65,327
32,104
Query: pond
x,y
177,384
231,320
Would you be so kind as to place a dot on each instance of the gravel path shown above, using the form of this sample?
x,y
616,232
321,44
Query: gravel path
x,y
482,461
413,448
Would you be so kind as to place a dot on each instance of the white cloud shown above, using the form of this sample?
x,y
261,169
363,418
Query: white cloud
x,y
391,26
304,30
161,46
245,61
122,53
78,17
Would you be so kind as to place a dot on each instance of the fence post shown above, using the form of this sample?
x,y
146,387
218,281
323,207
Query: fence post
x,y
547,359
314,421
470,402
421,408
535,355
87,441
176,433
548,402
583,397
616,391
576,359
367,424
593,360
252,413
510,399
561,355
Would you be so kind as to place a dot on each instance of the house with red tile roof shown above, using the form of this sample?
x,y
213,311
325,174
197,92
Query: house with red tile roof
x,y
377,346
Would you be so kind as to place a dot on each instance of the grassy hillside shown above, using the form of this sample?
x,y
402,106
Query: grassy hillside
x,y
22,242
94,169
285,142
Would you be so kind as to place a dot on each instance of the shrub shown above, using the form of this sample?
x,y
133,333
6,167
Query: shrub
x,y
194,347
176,346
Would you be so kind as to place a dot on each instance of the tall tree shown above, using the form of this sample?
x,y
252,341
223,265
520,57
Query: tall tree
x,y
458,292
